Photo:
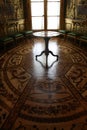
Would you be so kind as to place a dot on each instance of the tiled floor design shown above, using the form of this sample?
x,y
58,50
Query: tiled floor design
x,y
33,97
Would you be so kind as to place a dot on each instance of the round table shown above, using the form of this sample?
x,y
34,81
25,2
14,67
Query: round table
x,y
46,35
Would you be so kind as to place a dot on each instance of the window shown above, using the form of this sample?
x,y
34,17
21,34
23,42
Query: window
x,y
45,14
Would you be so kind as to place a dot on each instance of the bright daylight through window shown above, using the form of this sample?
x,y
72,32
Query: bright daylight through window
x,y
45,14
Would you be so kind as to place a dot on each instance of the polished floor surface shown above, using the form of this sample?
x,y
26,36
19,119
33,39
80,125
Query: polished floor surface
x,y
43,94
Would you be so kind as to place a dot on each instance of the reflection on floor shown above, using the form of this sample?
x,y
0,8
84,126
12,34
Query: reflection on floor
x,y
36,97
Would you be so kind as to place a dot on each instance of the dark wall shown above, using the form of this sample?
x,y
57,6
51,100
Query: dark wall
x,y
76,16
76,9
11,9
11,13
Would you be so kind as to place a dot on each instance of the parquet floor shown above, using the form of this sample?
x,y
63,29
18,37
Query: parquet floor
x,y
33,97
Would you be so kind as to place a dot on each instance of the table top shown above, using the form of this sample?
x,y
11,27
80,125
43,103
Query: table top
x,y
46,34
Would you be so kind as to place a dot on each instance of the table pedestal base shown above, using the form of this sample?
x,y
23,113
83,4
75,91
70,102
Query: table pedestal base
x,y
47,51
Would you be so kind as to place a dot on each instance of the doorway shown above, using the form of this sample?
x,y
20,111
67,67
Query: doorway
x,y
45,14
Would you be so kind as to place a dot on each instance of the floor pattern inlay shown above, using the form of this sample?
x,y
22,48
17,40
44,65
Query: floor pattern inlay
x,y
35,98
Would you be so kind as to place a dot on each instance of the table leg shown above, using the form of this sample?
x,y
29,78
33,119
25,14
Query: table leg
x,y
46,51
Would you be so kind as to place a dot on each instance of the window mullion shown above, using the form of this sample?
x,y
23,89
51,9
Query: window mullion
x,y
45,14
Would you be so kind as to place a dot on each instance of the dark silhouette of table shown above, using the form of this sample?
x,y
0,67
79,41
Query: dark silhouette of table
x,y
47,35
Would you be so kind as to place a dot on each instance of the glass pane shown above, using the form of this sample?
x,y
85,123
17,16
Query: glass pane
x,y
37,23
53,0
37,0
53,23
37,9
53,8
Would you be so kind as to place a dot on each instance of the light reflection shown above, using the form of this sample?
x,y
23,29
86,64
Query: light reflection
x,y
38,70
40,64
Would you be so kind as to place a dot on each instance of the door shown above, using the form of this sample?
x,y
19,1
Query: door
x,y
45,14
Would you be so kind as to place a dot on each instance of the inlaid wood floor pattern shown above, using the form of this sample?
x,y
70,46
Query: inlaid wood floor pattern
x,y
36,97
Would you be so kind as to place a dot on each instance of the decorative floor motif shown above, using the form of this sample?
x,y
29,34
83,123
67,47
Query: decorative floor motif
x,y
33,97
